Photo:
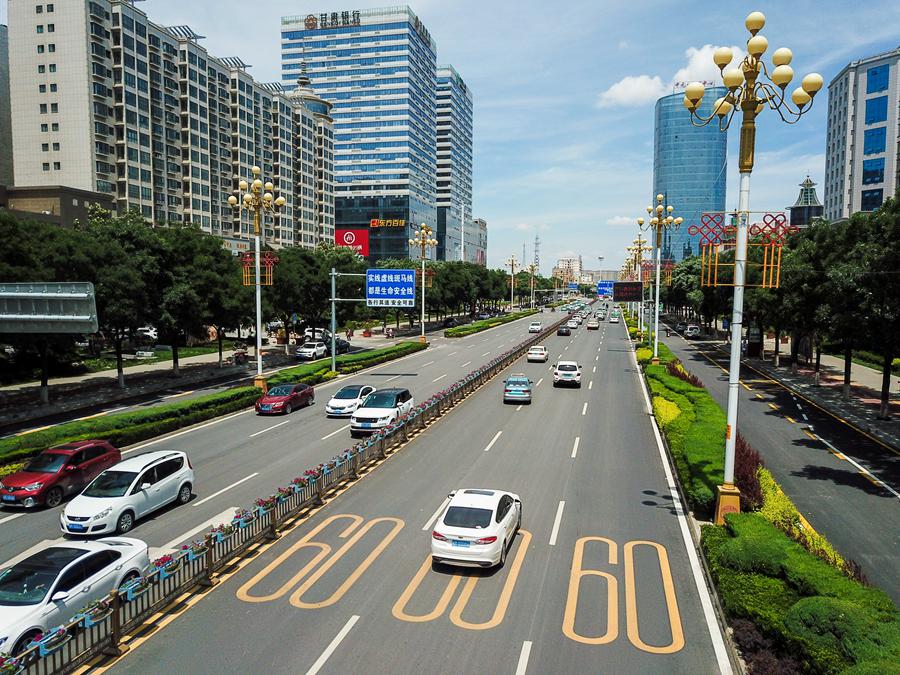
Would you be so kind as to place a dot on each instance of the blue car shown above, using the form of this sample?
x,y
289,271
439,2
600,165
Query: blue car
x,y
517,389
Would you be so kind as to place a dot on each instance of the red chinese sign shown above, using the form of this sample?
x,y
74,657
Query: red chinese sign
x,y
357,239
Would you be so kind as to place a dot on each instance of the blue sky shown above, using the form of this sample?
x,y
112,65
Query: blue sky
x,y
564,97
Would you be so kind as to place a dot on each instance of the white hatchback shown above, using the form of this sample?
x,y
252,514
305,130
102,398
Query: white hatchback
x,y
538,353
347,399
477,528
567,372
131,489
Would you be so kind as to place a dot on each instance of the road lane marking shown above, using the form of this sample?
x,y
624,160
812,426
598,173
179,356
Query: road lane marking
x,y
565,349
519,407
799,408
591,384
790,419
584,408
390,379
12,517
224,517
837,453
575,446
594,370
437,513
805,418
452,353
465,364
336,431
556,522
810,434
426,364
441,377
317,666
486,353
596,358
186,431
183,393
759,396
523,658
598,349
274,426
773,406
493,440
225,489
41,545
539,382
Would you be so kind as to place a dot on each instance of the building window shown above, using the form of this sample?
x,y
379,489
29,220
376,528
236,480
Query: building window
x,y
40,28
52,67
873,171
50,7
56,147
51,47
45,147
45,166
44,127
871,200
42,88
874,140
56,166
53,87
54,126
42,68
43,108
876,110
39,9
54,107
51,28
877,79
40,49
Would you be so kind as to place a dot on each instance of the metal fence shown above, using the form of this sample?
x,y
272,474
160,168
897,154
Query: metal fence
x,y
98,630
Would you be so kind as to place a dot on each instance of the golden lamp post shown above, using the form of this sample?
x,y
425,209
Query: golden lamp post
x,y
252,198
637,250
512,263
752,87
424,240
661,218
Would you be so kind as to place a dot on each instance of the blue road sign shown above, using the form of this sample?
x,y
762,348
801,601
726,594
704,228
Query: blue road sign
x,y
573,286
390,288
605,287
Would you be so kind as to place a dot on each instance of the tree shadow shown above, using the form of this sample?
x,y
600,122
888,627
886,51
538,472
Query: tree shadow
x,y
847,477
663,501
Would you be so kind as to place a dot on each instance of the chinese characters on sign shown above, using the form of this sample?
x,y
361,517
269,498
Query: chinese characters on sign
x,y
332,20
357,239
390,288
379,222
605,288
628,291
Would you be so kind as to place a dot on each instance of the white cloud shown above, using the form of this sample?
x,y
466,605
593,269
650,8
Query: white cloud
x,y
620,220
632,90
637,90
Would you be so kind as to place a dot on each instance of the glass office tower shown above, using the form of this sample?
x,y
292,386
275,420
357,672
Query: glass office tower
x,y
454,164
688,168
378,68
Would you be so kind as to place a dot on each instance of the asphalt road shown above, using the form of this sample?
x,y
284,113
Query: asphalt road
x,y
240,457
589,471
816,459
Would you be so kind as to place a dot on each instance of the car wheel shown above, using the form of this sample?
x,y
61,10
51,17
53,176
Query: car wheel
x,y
311,401
184,494
125,522
54,497
288,409
519,519
502,556
23,642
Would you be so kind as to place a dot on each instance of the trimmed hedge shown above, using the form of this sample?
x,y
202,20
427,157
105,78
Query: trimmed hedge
x,y
810,609
131,427
478,326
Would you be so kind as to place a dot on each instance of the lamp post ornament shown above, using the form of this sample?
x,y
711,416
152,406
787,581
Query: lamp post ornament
x,y
511,263
637,250
751,87
252,198
661,218
423,239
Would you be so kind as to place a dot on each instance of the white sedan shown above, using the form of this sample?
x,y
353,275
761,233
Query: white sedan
x,y
477,528
534,327
538,353
347,399
51,586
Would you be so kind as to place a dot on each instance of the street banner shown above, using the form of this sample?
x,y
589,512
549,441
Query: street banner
x,y
390,288
357,239
628,291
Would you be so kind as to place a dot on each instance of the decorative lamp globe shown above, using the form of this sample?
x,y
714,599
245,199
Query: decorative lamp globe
x,y
694,91
755,22
280,202
733,78
269,186
757,45
232,200
812,83
243,185
782,56
722,106
722,56
256,170
800,97
782,75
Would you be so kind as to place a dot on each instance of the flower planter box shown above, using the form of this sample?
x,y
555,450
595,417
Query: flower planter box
x,y
52,643
262,510
169,570
135,589
10,665
241,523
193,555
89,619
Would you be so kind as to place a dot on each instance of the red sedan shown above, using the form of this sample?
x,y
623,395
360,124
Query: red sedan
x,y
284,398
57,473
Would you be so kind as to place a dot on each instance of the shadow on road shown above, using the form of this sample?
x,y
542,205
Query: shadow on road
x,y
848,477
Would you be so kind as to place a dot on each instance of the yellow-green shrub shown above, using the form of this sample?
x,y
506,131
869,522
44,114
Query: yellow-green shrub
x,y
665,411
644,354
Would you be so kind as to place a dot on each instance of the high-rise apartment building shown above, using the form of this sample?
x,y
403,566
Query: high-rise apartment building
x,y
568,269
862,143
688,168
6,152
378,68
454,163
105,100
476,241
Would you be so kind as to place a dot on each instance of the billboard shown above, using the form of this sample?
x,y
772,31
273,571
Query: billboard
x,y
605,287
628,291
357,239
390,288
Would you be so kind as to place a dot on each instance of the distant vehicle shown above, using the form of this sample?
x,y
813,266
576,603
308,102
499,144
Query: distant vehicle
x,y
127,491
477,528
593,324
578,319
534,327
341,346
484,316
567,372
564,330
692,331
379,409
451,322
571,323
317,334
614,318
517,388
57,473
537,353
311,350
147,332
347,399
49,587
680,327
285,398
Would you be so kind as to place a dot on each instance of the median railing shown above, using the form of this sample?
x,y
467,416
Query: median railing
x,y
98,629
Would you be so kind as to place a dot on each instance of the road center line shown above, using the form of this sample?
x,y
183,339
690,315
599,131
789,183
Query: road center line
x,y
493,440
596,358
575,447
523,658
465,364
440,377
594,369
556,522
274,426
539,382
437,513
224,489
336,431
427,364
584,408
393,378
591,384
486,353
317,666
519,407
452,353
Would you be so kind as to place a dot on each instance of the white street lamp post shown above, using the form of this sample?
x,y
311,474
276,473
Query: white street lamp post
x,y
424,240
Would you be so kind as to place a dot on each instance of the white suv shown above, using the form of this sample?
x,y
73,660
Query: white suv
x,y
534,327
380,408
311,350
131,489
538,353
567,372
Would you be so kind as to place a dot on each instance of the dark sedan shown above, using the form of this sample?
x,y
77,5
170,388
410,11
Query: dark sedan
x,y
563,330
285,398
341,346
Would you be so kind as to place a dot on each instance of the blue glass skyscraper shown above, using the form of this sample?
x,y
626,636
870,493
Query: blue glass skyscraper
x,y
688,168
378,68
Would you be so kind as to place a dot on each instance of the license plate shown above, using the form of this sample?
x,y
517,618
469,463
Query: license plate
x,y
265,407
365,425
76,528
9,498
460,544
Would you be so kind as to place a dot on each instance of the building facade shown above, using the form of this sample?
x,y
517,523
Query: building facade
x,y
378,68
6,151
862,143
113,103
454,163
688,168
568,269
807,208
476,241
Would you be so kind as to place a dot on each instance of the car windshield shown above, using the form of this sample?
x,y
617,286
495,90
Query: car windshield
x,y
467,516
280,390
348,392
47,462
308,345
110,484
380,399
517,382
566,367
537,349
27,582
